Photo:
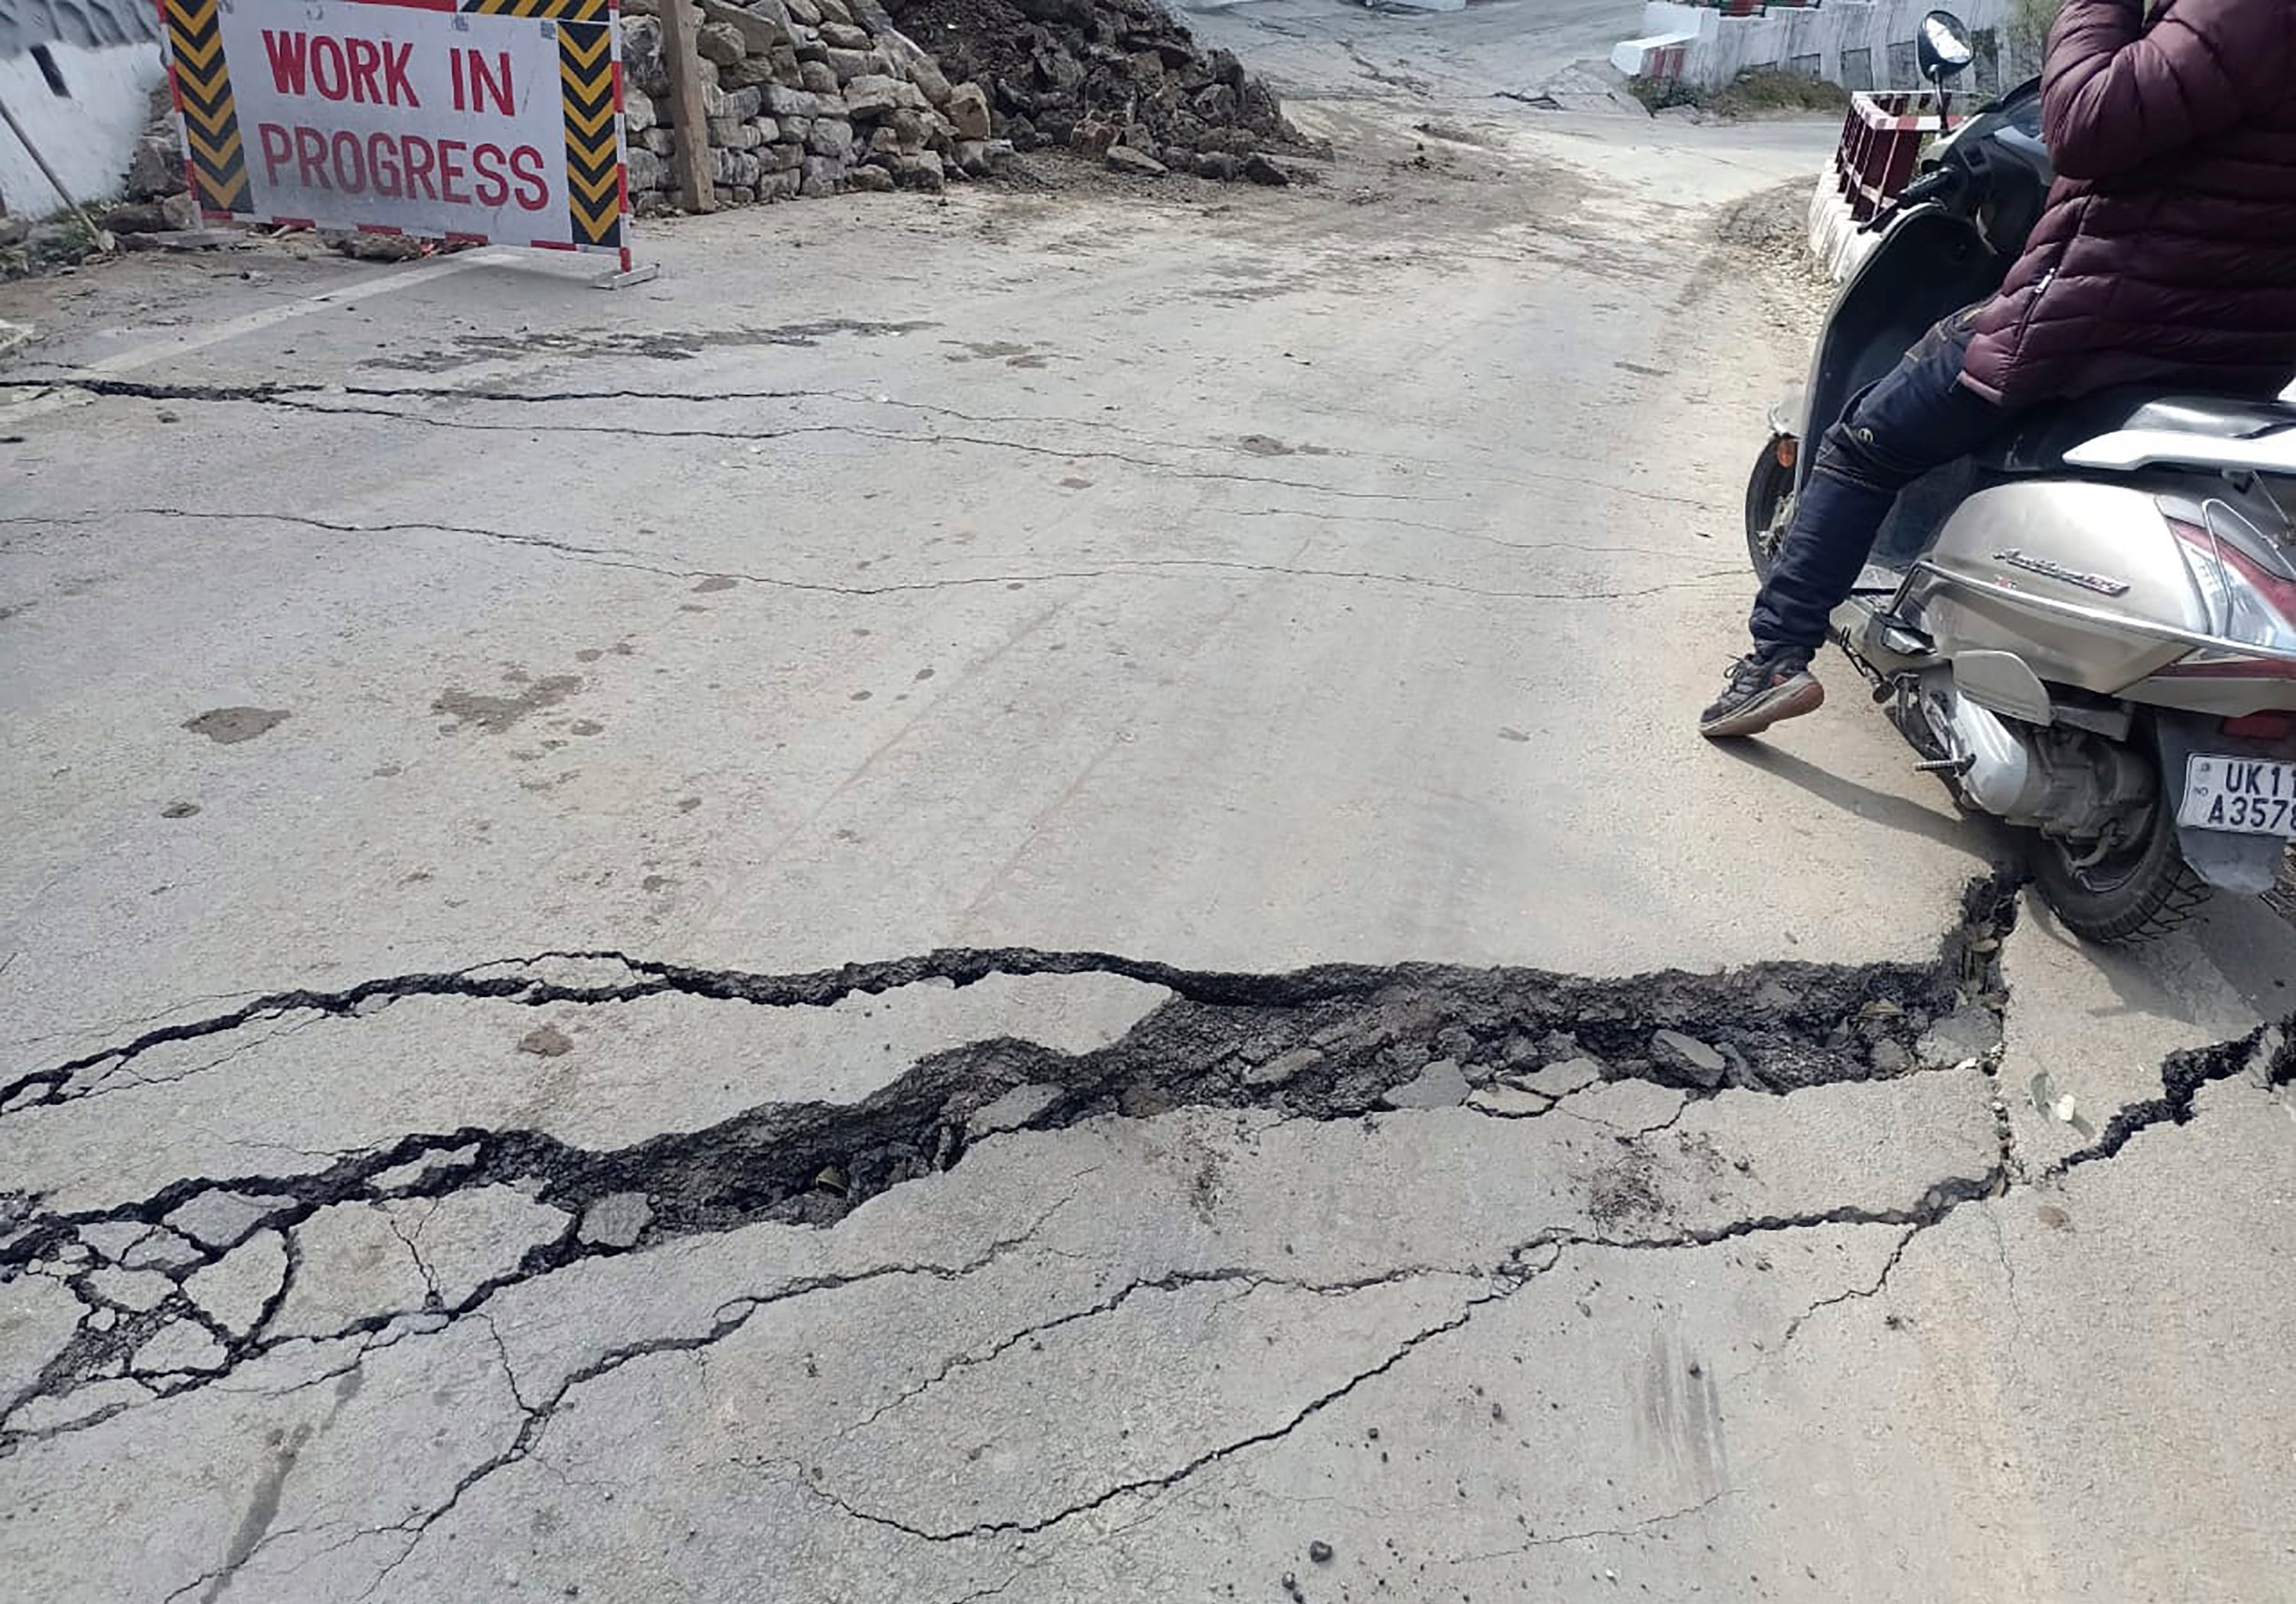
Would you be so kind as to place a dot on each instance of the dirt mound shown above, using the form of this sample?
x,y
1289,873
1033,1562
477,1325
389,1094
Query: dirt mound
x,y
1774,222
1101,73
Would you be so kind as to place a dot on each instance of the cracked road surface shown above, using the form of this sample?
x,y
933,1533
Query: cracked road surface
x,y
1006,900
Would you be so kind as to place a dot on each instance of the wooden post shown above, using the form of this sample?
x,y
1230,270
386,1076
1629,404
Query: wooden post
x,y
97,238
696,173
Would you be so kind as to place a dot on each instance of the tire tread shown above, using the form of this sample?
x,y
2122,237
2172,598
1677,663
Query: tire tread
x,y
2170,896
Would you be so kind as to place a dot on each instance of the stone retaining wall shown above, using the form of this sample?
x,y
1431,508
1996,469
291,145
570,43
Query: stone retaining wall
x,y
804,98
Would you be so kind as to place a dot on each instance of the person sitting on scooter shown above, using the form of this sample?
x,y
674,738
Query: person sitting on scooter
x,y
2167,255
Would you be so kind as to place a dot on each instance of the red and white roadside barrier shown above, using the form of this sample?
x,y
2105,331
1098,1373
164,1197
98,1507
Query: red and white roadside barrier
x,y
1882,138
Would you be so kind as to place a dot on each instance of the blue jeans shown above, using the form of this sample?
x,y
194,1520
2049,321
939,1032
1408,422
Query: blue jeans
x,y
1916,418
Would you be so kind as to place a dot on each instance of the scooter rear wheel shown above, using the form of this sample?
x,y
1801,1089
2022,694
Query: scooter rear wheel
x,y
2135,894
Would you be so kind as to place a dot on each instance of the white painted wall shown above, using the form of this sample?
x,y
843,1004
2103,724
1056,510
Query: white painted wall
x,y
1721,48
1834,239
1633,57
87,133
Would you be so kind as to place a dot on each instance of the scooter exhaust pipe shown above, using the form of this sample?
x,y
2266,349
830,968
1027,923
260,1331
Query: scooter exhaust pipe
x,y
2001,777
1998,771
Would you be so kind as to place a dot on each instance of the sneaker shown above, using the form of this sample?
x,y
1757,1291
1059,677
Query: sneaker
x,y
1763,690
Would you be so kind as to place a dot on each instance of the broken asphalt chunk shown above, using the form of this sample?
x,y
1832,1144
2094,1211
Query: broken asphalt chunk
x,y
1012,1110
1689,1057
617,1220
234,1290
1966,1034
1559,1080
161,1250
181,1345
221,1218
1439,1085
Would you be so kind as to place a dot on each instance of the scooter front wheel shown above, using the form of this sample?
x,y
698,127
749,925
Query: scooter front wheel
x,y
2138,893
1769,495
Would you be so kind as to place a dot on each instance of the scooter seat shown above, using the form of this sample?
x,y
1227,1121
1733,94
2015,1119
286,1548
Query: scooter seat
x,y
2038,441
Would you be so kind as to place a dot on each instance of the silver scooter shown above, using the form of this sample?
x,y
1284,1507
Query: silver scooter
x,y
2089,630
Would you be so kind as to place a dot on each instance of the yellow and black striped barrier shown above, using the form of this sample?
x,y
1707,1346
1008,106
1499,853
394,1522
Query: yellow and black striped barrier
x,y
589,74
213,156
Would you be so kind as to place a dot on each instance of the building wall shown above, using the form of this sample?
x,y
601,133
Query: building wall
x,y
79,75
1858,44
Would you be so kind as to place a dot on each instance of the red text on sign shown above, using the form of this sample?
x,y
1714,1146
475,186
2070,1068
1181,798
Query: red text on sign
x,y
476,83
406,165
364,71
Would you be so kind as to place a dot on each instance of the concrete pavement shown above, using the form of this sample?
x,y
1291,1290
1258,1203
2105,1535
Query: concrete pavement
x,y
656,946
763,616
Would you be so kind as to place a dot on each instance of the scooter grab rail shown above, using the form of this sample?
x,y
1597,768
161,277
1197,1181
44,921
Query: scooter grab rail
x,y
2125,450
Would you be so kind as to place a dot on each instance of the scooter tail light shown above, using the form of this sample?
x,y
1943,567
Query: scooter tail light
x,y
2261,726
2248,603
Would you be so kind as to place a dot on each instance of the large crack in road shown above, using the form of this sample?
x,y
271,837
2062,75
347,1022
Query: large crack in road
x,y
421,407
1327,1044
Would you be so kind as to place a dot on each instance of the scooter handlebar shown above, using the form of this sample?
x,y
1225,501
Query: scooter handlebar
x,y
1928,187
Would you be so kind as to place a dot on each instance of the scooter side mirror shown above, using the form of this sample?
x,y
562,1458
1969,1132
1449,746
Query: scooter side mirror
x,y
1943,47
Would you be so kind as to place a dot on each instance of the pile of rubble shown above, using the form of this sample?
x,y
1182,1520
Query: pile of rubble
x,y
155,171
1111,77
809,97
155,207
817,97
804,97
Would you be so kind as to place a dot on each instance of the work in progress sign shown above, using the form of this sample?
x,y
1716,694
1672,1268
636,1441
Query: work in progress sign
x,y
494,120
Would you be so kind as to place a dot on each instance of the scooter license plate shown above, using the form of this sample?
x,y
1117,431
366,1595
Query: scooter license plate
x,y
2246,796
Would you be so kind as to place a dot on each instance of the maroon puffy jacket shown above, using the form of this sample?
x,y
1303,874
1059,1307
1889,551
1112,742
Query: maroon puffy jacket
x,y
2168,252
